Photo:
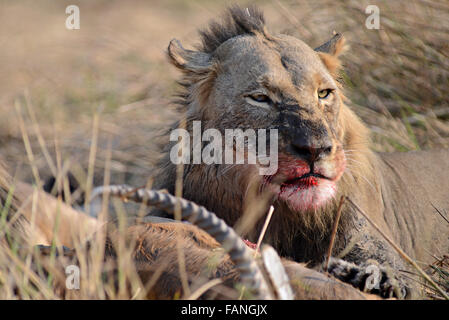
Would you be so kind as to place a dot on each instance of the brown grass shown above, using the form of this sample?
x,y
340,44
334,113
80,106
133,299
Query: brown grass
x,y
114,68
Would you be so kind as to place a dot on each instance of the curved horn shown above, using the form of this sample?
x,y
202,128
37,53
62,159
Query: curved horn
x,y
239,253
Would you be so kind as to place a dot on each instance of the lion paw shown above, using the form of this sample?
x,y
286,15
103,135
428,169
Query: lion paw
x,y
369,277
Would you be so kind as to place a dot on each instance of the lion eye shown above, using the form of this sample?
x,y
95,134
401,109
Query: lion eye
x,y
261,98
323,94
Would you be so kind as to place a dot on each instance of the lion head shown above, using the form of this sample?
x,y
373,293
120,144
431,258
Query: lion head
x,y
241,76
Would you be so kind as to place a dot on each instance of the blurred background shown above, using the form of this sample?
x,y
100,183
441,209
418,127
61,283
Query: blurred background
x,y
97,97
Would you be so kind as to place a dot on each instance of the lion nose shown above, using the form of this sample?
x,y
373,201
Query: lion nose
x,y
311,152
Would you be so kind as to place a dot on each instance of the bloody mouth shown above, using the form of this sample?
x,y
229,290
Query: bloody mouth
x,y
303,186
301,189
305,181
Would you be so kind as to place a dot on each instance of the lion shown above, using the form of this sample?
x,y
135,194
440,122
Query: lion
x,y
240,77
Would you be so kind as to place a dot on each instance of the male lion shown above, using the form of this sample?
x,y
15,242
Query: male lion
x,y
242,76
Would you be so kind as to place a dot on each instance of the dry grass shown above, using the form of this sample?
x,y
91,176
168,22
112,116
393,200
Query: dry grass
x,y
114,67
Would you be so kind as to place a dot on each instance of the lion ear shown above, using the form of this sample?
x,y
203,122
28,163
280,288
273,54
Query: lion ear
x,y
188,60
330,51
334,47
